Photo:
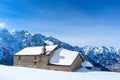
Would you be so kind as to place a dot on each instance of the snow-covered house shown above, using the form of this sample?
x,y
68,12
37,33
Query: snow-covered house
x,y
54,58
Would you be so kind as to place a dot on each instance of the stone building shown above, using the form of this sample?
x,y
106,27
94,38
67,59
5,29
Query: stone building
x,y
48,57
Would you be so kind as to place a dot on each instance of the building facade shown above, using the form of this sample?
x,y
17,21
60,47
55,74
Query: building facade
x,y
54,58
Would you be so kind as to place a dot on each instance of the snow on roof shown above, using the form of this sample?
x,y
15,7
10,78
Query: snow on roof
x,y
87,64
63,57
35,50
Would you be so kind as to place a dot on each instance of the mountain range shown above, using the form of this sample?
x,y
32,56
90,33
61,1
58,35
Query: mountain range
x,y
105,58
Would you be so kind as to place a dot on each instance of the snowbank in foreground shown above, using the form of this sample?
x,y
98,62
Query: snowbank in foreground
x,y
21,73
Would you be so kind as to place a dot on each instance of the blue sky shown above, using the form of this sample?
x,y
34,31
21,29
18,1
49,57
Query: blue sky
x,y
78,22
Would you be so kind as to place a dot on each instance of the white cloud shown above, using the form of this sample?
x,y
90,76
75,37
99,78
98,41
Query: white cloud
x,y
2,25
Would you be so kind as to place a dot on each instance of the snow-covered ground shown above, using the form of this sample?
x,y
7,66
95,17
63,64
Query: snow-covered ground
x,y
22,73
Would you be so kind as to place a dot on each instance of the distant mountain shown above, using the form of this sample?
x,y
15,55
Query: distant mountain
x,y
11,42
109,58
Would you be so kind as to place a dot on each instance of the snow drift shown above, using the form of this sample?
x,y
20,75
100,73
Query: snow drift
x,y
21,73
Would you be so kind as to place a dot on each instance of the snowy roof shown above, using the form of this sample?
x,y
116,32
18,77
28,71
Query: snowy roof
x,y
87,64
35,50
63,57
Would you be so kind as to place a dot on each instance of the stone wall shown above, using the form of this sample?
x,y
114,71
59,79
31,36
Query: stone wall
x,y
42,62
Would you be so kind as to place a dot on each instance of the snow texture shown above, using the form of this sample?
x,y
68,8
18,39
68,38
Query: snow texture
x,y
35,50
21,73
63,57
87,64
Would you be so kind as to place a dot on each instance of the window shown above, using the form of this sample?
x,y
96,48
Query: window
x,y
56,69
19,59
35,61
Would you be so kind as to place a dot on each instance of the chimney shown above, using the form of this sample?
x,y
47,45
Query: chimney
x,y
44,49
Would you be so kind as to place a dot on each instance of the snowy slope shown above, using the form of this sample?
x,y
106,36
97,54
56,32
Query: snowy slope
x,y
21,73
